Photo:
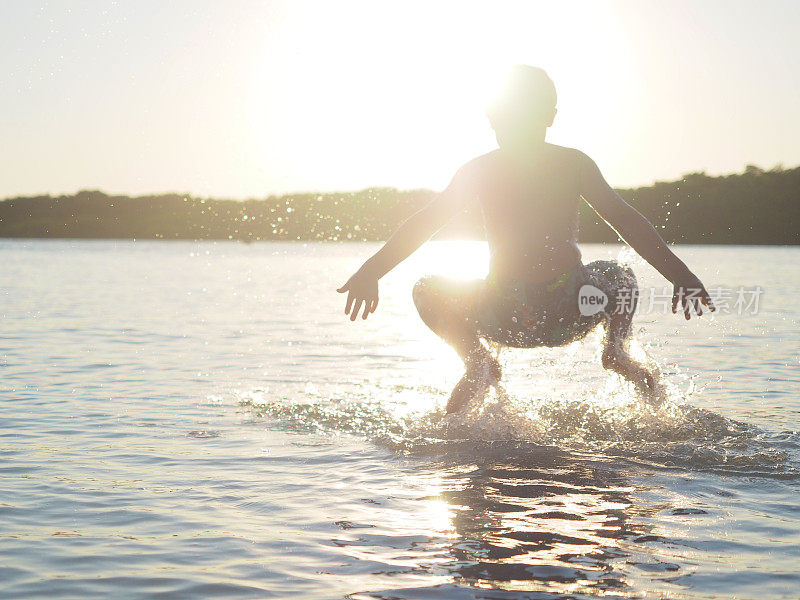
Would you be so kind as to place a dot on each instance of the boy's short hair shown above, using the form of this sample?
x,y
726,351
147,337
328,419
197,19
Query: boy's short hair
x,y
529,94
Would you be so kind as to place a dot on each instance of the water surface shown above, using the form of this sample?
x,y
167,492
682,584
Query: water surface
x,y
200,420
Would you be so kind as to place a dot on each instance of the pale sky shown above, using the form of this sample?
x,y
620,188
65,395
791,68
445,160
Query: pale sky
x,y
244,99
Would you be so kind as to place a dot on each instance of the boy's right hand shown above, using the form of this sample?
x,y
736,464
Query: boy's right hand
x,y
361,288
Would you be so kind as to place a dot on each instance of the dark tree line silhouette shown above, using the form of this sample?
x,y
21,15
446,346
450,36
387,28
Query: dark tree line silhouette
x,y
754,207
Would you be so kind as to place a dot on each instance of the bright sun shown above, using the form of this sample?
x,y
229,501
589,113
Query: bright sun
x,y
395,94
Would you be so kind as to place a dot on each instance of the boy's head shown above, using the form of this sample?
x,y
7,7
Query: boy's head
x,y
526,102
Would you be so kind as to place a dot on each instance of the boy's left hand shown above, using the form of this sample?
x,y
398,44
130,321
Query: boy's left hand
x,y
690,292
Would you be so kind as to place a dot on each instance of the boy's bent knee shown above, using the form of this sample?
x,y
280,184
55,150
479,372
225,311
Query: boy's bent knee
x,y
619,284
423,291
610,274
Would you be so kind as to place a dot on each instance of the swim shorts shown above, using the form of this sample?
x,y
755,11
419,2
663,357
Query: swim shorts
x,y
524,314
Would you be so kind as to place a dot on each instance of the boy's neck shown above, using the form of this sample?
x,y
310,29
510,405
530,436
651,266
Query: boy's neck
x,y
523,147
523,142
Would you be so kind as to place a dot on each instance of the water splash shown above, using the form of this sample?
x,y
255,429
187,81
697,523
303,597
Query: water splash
x,y
611,422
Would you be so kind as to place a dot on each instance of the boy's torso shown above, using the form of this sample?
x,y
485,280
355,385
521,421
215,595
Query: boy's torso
x,y
530,211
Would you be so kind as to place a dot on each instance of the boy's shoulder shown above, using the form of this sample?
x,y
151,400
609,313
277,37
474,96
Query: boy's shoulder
x,y
555,149
483,159
475,168
562,154
567,152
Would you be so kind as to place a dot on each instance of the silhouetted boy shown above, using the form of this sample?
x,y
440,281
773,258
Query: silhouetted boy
x,y
529,192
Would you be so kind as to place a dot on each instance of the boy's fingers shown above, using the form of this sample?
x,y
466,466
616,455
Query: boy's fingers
x,y
366,310
709,303
350,298
686,311
357,307
374,305
674,303
342,289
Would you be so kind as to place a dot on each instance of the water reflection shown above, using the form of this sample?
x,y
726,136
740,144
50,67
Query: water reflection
x,y
526,518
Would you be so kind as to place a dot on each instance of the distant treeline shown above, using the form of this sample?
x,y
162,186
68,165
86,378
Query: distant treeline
x,y
755,207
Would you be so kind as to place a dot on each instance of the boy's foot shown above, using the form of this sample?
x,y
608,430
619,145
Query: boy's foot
x,y
644,384
647,386
475,382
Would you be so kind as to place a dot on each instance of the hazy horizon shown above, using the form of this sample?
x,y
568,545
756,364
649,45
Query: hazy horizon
x,y
257,98
302,192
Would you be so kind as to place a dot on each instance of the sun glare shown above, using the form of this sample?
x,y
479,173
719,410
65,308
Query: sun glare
x,y
401,101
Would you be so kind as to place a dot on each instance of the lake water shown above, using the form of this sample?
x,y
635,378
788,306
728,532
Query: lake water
x,y
194,420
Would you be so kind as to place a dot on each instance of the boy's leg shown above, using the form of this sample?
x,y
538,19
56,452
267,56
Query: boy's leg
x,y
616,358
619,284
447,307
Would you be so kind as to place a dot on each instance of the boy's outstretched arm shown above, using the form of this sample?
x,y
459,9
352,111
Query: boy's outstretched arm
x,y
637,231
362,287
